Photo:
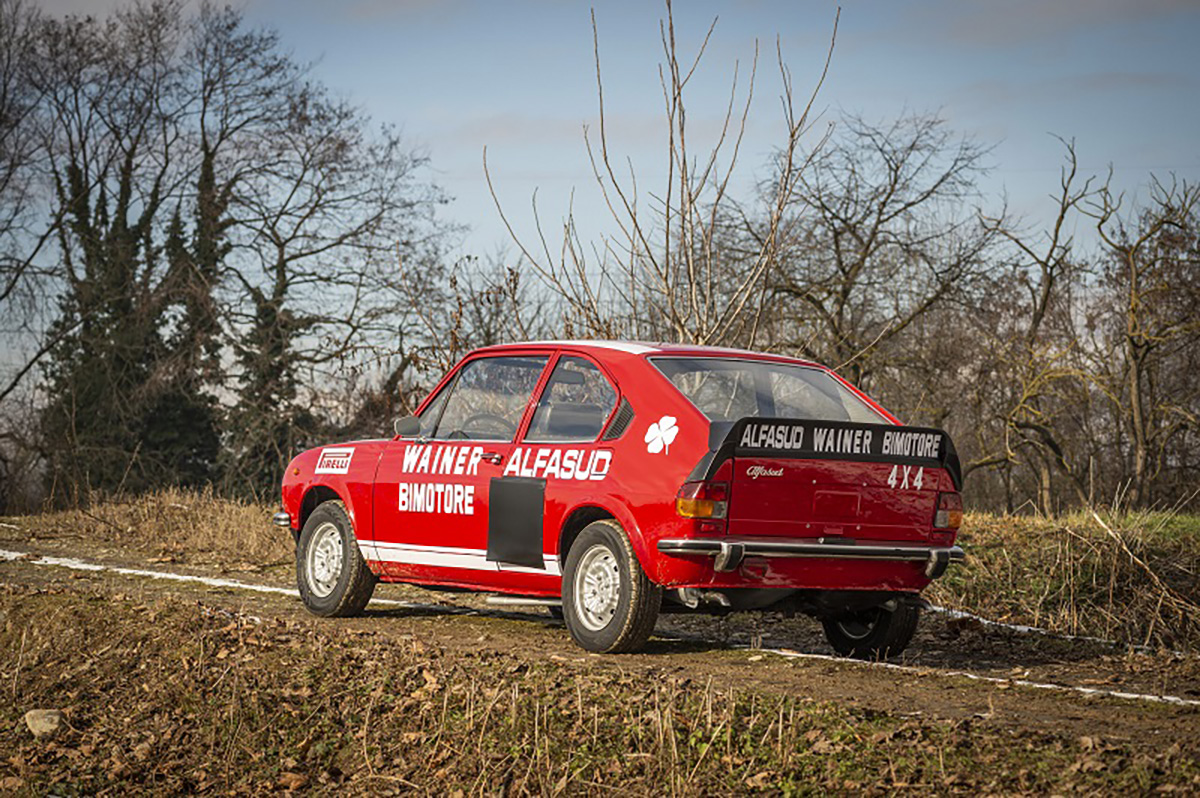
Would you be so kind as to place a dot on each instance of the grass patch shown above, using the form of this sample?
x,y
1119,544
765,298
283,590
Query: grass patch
x,y
169,525
178,698
1129,576
1132,577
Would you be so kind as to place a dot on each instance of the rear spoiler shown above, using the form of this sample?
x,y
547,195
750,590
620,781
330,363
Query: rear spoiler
x,y
805,439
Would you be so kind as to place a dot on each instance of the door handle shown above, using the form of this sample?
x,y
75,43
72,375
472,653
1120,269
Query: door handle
x,y
492,457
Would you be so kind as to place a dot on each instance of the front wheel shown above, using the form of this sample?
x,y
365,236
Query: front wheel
x,y
609,604
332,576
876,633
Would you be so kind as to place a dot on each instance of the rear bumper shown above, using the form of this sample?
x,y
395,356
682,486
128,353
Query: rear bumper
x,y
728,553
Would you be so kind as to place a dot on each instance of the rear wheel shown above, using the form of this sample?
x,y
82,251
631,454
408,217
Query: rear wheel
x,y
332,576
609,604
876,633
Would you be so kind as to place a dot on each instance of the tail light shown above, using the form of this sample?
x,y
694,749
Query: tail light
x,y
949,513
706,502
702,499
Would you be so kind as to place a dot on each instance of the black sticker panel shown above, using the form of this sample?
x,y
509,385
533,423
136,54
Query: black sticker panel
x,y
515,508
836,440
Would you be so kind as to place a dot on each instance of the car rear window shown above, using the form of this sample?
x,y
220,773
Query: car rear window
x,y
726,389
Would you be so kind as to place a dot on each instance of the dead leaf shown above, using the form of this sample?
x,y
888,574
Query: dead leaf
x,y
289,780
760,779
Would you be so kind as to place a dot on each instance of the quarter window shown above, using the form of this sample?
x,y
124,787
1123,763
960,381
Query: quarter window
x,y
574,405
433,412
488,398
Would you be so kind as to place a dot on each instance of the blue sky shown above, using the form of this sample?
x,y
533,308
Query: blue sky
x,y
1121,78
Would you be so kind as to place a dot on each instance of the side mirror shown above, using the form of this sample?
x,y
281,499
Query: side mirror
x,y
408,427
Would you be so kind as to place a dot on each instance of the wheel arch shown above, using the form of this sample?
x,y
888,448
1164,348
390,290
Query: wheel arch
x,y
314,497
578,519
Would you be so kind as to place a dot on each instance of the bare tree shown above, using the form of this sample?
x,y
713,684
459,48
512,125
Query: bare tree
x,y
1151,271
665,273
1035,347
317,225
208,205
114,109
879,231
22,233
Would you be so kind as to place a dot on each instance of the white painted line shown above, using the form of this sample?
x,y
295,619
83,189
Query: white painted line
x,y
1161,699
1034,630
80,565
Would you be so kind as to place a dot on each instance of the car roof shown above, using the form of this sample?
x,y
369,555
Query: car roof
x,y
643,348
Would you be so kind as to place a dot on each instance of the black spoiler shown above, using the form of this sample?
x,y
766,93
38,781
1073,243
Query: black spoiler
x,y
829,440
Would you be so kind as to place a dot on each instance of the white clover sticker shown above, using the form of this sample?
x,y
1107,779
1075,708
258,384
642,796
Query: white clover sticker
x,y
661,435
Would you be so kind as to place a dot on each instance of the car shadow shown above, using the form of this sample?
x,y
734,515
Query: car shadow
x,y
941,643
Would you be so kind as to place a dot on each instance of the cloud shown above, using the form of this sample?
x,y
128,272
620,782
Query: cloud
x,y
1001,24
390,10
1083,86
100,9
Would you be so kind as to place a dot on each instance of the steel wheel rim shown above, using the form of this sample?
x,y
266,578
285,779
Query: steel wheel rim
x,y
597,588
859,626
323,565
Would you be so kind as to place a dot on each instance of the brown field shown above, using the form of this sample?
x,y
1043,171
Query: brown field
x,y
173,687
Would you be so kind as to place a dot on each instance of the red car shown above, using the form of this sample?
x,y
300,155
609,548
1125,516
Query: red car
x,y
618,480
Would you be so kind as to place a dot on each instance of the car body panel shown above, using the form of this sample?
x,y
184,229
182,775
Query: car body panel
x,y
424,511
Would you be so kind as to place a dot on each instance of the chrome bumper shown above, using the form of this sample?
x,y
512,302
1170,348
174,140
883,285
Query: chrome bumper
x,y
282,519
728,554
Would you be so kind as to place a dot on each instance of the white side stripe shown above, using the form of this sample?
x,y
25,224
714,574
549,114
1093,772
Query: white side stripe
x,y
450,557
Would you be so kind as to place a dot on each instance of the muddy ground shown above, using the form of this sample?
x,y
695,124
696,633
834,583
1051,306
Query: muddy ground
x,y
865,727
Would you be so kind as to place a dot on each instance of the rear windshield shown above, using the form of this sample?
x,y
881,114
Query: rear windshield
x,y
725,389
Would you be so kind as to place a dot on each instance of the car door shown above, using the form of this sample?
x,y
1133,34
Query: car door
x,y
433,493
561,450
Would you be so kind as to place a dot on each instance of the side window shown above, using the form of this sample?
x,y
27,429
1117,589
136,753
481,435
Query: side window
x,y
576,401
488,398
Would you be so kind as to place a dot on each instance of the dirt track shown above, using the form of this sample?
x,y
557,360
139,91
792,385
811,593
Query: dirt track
x,y
721,653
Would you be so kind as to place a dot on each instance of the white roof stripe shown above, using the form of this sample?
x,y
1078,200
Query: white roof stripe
x,y
620,346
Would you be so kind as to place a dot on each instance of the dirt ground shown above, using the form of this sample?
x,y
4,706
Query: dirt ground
x,y
1048,739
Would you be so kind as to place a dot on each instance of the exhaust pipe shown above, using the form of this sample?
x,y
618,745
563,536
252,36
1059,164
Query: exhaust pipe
x,y
692,597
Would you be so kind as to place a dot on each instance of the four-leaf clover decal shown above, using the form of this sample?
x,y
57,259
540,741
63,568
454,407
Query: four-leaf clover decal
x,y
661,435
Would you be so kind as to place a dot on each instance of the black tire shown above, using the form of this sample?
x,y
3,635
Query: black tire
x,y
332,585
612,616
876,633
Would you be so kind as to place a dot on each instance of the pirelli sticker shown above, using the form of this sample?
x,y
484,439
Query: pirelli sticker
x,y
335,460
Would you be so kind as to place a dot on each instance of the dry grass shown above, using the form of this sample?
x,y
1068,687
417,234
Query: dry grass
x,y
1124,576
196,526
1133,577
168,697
